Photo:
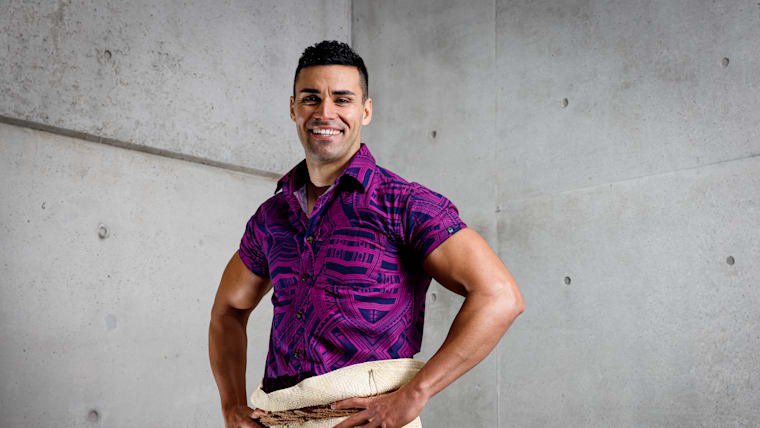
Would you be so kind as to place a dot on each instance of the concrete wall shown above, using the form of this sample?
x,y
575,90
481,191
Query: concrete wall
x,y
617,211
609,151
113,331
116,325
194,79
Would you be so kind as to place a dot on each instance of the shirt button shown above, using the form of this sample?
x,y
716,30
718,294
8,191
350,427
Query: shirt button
x,y
450,230
310,239
305,276
299,314
297,354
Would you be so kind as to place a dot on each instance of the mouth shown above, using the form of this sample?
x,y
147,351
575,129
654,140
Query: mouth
x,y
325,132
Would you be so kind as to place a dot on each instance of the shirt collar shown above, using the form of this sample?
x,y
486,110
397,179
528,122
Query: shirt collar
x,y
359,169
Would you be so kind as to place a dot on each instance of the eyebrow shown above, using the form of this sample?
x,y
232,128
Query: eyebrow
x,y
338,92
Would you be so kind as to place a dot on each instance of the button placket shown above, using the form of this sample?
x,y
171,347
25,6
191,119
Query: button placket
x,y
316,215
307,259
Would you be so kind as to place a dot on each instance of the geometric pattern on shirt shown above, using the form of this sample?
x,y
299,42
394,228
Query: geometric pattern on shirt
x,y
348,284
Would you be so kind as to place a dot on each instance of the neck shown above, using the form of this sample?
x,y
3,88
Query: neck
x,y
324,174
313,192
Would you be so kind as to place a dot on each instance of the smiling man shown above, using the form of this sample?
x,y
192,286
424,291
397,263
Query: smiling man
x,y
349,249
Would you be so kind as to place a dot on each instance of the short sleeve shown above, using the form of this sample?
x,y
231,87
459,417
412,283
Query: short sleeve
x,y
429,219
251,252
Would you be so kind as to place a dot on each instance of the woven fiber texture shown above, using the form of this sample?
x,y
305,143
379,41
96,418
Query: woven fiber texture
x,y
310,396
302,415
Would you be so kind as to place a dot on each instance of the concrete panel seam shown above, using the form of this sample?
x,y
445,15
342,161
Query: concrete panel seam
x,y
661,174
350,26
136,147
496,185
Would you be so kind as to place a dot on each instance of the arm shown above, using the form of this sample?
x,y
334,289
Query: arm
x,y
466,265
239,292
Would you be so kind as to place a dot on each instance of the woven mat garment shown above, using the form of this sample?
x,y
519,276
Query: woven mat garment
x,y
305,414
306,405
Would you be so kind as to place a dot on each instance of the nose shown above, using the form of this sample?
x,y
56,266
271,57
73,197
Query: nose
x,y
326,109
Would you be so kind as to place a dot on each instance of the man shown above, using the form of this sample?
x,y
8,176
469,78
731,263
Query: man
x,y
349,249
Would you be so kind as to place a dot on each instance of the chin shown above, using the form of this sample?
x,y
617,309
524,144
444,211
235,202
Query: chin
x,y
326,153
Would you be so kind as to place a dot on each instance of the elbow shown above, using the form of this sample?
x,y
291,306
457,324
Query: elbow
x,y
513,302
513,307
502,300
518,307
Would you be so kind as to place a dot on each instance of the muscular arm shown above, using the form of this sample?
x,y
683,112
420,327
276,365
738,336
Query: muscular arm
x,y
466,265
239,292
470,268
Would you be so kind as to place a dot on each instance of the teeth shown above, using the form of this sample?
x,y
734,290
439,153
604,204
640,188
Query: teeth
x,y
325,131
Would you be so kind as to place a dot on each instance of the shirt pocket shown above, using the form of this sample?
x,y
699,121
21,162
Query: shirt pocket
x,y
352,257
369,310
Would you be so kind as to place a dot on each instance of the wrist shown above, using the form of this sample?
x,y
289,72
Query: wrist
x,y
417,392
228,408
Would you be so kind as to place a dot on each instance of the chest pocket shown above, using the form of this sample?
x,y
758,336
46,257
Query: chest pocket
x,y
352,257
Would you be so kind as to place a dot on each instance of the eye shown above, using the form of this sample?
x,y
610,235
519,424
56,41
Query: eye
x,y
343,100
310,99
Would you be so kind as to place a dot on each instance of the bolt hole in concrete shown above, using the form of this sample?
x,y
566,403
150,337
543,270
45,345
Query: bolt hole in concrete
x,y
567,280
724,62
102,231
93,416
433,297
434,133
564,102
730,260
108,54
111,321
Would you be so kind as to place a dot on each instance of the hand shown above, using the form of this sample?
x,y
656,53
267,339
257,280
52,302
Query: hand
x,y
393,410
242,416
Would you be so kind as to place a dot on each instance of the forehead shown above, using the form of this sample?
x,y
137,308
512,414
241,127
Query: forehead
x,y
334,77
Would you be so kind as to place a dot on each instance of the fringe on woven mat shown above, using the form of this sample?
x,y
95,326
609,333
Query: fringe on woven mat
x,y
303,414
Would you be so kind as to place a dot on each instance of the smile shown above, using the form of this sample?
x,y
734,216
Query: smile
x,y
326,131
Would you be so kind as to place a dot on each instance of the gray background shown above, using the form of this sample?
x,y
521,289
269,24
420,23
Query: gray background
x,y
167,123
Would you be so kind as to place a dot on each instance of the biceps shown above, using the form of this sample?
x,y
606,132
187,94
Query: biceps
x,y
240,288
465,263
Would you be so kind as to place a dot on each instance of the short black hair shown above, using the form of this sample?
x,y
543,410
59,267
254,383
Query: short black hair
x,y
333,52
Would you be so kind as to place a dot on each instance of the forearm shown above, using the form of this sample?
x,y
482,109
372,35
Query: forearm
x,y
227,353
481,322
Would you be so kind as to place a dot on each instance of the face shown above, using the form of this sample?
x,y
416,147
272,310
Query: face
x,y
329,112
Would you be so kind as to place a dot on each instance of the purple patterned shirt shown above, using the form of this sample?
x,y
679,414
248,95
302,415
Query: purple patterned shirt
x,y
348,281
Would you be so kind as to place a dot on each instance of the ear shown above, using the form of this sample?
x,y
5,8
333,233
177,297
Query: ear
x,y
367,117
292,109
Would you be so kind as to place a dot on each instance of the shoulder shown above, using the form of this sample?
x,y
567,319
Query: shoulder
x,y
390,185
270,215
274,206
387,182
390,194
409,205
